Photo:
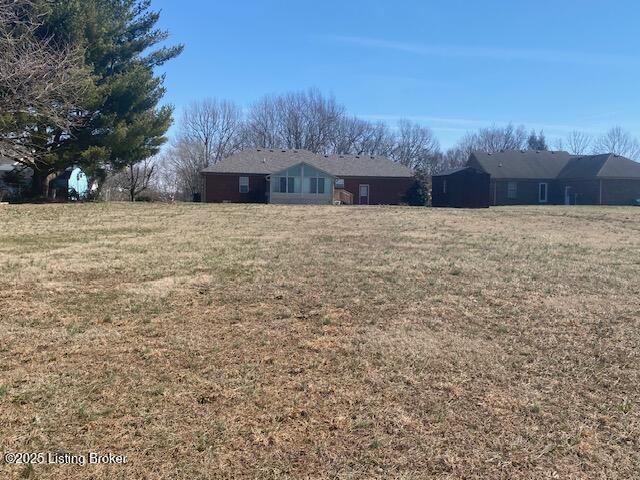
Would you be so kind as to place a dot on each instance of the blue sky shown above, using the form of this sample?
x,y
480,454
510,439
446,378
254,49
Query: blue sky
x,y
452,65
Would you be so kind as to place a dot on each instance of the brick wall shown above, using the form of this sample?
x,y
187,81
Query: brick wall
x,y
382,191
225,187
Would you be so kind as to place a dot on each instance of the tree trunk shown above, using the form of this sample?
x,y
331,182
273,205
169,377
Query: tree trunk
x,y
40,183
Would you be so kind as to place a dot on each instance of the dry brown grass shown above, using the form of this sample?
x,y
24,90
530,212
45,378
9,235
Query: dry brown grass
x,y
321,342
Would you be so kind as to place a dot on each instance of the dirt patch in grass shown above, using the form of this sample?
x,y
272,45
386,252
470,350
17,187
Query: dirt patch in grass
x,y
206,341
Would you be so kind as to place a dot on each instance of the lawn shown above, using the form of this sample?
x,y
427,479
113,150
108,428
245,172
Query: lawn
x,y
206,341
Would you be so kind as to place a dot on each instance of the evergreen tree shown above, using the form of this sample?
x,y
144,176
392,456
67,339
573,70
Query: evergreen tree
x,y
537,142
120,122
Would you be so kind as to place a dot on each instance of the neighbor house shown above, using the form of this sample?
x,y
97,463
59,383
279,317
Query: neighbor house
x,y
530,177
298,176
15,179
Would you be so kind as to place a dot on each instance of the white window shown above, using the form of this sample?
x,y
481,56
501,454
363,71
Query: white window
x,y
244,184
314,181
288,182
512,190
339,182
543,192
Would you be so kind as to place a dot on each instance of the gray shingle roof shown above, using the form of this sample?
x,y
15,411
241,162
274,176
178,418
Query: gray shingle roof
x,y
451,171
615,166
583,167
268,161
531,164
521,164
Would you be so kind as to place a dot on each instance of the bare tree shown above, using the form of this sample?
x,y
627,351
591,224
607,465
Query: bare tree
x,y
214,125
183,159
261,128
619,142
130,182
495,139
578,143
360,137
415,145
350,135
380,140
210,130
452,158
138,177
297,120
165,181
38,79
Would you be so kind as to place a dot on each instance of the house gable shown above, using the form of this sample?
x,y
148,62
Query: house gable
x,y
302,165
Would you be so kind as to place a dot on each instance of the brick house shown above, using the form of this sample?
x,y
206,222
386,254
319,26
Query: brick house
x,y
298,176
533,177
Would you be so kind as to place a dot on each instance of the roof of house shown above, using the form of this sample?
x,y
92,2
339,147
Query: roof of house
x,y
521,163
532,164
453,171
6,165
601,166
261,161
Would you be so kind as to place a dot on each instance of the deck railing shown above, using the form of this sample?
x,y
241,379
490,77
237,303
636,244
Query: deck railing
x,y
342,196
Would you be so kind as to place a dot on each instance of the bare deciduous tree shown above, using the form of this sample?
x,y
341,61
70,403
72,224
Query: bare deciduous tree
x,y
452,158
166,183
297,120
138,177
130,182
38,79
618,141
576,143
360,137
210,130
183,159
214,125
495,139
415,146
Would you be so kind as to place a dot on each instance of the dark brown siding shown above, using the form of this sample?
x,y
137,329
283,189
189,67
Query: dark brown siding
x,y
225,187
620,192
582,192
466,188
527,192
382,191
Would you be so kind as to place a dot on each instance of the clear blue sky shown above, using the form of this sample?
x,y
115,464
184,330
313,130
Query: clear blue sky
x,y
452,65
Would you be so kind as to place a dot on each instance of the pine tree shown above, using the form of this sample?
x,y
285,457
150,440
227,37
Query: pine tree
x,y
537,142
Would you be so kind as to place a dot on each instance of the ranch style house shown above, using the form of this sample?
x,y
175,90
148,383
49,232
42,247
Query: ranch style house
x,y
531,177
300,177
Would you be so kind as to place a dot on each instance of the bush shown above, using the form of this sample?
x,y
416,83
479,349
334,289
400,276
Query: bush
x,y
418,194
